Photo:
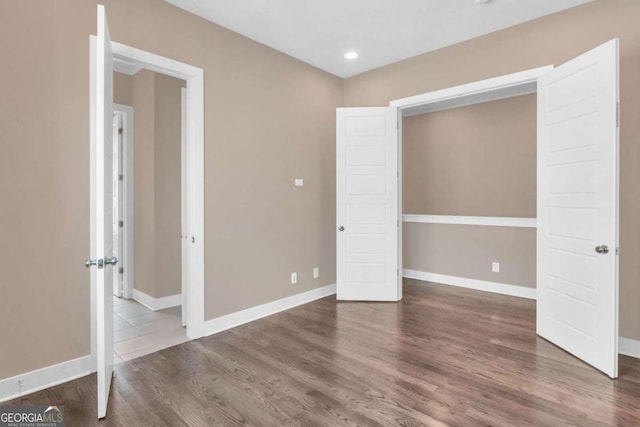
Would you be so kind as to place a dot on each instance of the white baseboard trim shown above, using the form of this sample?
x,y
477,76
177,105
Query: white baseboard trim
x,y
481,285
30,382
238,318
629,347
156,304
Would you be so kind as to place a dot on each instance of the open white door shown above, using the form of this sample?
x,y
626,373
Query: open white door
x,y
577,305
102,262
367,204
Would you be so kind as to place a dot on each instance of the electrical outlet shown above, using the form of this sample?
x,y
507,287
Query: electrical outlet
x,y
299,182
294,278
316,272
495,267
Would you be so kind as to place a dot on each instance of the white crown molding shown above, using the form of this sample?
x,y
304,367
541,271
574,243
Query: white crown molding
x,y
495,221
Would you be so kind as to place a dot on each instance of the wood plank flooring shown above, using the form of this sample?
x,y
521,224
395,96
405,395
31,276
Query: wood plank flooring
x,y
443,356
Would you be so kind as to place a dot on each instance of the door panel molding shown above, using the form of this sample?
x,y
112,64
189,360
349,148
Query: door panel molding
x,y
577,305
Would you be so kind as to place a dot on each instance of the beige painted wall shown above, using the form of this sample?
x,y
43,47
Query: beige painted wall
x,y
44,175
478,160
167,186
156,100
122,88
144,200
550,40
469,250
268,119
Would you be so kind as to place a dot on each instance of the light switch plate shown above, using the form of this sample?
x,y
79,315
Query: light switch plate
x,y
495,267
294,278
316,272
299,182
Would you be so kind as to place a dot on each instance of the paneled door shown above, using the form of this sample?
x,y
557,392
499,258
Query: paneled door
x,y
367,204
102,261
577,265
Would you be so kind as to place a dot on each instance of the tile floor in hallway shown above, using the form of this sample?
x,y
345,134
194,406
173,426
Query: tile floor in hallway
x,y
139,331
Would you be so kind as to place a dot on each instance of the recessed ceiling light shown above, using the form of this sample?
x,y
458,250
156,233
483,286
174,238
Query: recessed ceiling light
x,y
482,1
351,55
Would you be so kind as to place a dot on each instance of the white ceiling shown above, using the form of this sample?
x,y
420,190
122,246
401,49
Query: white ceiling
x,y
319,32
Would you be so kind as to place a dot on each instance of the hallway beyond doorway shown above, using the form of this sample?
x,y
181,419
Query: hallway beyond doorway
x,y
139,331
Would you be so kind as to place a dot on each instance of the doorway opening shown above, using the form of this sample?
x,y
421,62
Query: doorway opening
x,y
102,54
148,229
190,183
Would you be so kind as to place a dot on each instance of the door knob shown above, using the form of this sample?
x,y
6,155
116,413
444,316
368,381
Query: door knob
x,y
603,249
94,262
341,228
112,261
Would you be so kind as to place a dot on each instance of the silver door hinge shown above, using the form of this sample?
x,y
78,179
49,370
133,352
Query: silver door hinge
x,y
120,224
121,270
120,177
617,251
119,131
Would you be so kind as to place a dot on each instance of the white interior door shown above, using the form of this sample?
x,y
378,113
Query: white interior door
x,y
102,205
367,204
577,305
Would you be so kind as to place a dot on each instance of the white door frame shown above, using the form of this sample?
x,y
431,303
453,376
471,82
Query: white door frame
x,y
194,205
117,120
184,189
126,200
507,86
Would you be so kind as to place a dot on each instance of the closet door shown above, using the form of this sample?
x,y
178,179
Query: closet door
x,y
367,204
577,266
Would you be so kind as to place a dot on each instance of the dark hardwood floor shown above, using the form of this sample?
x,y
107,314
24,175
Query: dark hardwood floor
x,y
443,356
